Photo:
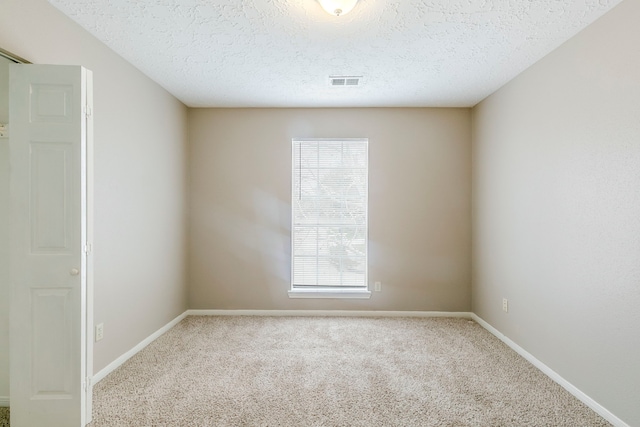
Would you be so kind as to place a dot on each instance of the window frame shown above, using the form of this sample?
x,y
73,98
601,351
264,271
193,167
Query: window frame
x,y
330,292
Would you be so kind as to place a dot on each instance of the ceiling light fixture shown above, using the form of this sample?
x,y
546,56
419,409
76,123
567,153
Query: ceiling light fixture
x,y
338,7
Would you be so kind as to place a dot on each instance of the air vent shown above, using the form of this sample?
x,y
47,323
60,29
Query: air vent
x,y
351,81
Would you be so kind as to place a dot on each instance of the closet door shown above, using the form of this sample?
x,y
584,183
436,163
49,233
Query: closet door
x,y
50,338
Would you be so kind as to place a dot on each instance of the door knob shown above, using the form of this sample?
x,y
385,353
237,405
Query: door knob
x,y
74,272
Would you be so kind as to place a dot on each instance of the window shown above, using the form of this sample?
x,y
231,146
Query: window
x,y
329,218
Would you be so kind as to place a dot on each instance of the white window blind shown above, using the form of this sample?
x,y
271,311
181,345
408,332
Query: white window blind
x,y
329,204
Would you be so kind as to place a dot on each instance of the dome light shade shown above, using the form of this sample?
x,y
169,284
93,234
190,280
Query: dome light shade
x,y
338,7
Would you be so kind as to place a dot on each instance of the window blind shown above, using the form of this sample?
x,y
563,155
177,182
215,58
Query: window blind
x,y
329,214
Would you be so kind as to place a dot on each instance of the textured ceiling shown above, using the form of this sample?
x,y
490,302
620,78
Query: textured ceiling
x,y
280,53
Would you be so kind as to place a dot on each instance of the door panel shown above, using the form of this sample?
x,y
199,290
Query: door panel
x,y
52,337
51,103
48,155
51,178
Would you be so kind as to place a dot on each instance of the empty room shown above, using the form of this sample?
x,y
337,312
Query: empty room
x,y
319,213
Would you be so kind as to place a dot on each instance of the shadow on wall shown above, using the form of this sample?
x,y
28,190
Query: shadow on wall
x,y
246,244
273,234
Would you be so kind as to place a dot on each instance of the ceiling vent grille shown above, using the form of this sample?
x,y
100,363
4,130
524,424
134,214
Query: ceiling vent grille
x,y
343,81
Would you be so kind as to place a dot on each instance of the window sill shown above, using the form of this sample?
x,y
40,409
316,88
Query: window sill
x,y
330,293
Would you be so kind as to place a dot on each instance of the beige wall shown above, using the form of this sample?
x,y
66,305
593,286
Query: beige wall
x,y
419,206
557,210
140,176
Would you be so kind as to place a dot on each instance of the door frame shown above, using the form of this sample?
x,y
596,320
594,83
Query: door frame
x,y
12,57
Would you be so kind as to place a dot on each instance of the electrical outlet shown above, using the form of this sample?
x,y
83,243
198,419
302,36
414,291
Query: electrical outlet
x,y
99,331
505,305
377,286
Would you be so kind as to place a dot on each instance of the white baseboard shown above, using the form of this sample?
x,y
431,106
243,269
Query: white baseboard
x,y
4,401
329,313
145,342
581,396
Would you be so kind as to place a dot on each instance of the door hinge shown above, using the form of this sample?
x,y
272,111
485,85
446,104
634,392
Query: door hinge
x,y
86,384
87,111
88,248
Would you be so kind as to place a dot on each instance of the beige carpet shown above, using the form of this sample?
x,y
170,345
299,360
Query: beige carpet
x,y
4,417
275,371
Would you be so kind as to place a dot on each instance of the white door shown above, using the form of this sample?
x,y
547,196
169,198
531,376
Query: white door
x,y
50,334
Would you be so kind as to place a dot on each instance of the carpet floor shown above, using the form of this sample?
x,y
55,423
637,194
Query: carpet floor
x,y
4,417
302,371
